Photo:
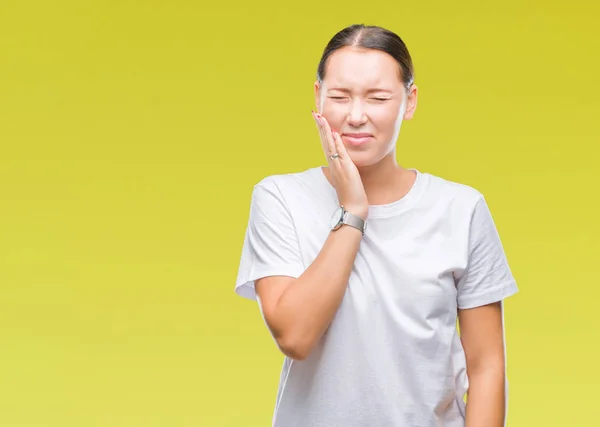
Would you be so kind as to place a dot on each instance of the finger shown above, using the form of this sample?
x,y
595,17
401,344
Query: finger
x,y
321,134
339,146
328,135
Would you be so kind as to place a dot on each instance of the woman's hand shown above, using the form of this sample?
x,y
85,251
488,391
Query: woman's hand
x,y
343,172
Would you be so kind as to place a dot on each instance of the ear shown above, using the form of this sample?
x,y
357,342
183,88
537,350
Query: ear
x,y
411,103
317,88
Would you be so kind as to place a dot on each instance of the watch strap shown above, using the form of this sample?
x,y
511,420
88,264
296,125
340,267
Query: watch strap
x,y
354,221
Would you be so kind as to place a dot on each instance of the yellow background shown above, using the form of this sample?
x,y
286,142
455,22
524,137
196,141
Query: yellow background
x,y
132,132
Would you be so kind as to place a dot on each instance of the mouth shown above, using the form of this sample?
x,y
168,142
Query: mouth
x,y
356,139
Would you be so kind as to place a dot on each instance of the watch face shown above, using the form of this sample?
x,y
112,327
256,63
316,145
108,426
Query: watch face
x,y
336,218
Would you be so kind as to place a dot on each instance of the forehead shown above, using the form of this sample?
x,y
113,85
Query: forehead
x,y
361,68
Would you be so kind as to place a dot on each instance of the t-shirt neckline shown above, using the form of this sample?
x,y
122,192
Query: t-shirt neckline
x,y
393,208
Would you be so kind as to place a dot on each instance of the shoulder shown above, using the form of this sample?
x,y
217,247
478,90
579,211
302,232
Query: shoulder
x,y
453,193
290,178
286,186
444,186
454,203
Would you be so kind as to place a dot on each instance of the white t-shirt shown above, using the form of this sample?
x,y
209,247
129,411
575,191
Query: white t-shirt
x,y
392,356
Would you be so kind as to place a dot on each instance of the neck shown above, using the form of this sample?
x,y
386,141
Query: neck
x,y
386,181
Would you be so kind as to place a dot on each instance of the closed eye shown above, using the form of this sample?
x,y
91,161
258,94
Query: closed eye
x,y
340,98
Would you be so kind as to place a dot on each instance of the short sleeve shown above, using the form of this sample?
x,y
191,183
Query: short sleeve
x,y
270,245
487,277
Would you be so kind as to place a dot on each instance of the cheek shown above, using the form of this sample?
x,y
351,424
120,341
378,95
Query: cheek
x,y
335,113
335,108
385,119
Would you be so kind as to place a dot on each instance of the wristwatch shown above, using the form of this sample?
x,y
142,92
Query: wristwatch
x,y
341,216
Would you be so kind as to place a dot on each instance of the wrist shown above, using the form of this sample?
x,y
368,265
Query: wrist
x,y
349,231
353,216
360,211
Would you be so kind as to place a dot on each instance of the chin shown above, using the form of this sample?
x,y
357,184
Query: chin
x,y
364,158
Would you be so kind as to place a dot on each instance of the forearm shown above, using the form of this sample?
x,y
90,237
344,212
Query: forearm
x,y
486,399
307,307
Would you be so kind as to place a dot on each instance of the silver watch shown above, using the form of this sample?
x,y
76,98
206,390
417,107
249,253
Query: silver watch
x,y
341,216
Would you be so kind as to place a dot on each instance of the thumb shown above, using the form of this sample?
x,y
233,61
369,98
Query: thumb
x,y
340,148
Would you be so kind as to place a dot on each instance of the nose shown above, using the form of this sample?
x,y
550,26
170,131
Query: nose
x,y
356,115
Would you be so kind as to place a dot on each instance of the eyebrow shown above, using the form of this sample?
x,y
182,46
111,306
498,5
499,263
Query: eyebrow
x,y
343,89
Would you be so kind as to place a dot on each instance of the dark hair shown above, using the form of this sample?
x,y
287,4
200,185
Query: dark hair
x,y
370,37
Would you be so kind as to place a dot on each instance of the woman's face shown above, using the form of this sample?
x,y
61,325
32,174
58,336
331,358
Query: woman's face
x,y
363,98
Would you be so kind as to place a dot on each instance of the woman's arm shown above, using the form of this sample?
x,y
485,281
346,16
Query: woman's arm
x,y
482,336
298,311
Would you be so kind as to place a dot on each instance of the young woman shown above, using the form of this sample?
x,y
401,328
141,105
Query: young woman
x,y
361,269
